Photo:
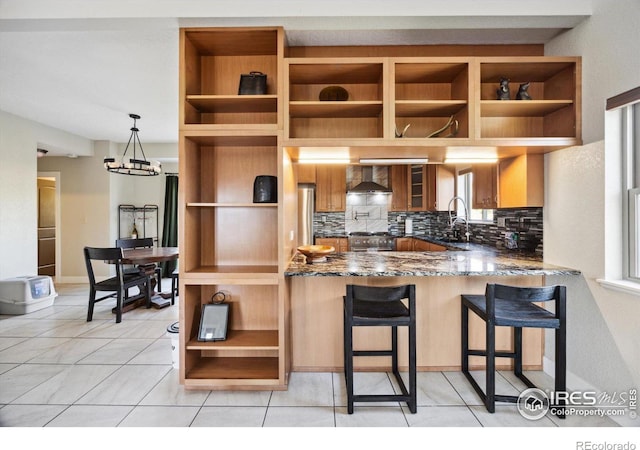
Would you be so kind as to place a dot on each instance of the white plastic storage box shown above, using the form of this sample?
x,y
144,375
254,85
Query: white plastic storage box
x,y
22,295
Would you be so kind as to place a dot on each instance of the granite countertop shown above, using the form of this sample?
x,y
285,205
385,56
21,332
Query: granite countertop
x,y
425,264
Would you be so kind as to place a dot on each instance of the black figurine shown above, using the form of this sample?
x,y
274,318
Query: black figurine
x,y
503,91
522,92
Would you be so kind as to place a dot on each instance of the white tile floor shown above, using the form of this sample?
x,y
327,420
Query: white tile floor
x,y
57,370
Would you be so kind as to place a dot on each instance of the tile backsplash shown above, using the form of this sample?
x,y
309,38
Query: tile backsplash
x,y
526,222
367,212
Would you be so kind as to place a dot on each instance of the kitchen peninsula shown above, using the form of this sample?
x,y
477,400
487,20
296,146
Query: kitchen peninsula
x,y
440,278
283,317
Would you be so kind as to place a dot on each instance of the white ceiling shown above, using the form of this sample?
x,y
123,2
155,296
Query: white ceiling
x,y
82,67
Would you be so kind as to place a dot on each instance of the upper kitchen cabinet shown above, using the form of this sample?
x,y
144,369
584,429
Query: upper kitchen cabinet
x,y
335,98
553,112
429,187
331,188
441,181
485,186
306,173
521,181
429,94
398,182
213,60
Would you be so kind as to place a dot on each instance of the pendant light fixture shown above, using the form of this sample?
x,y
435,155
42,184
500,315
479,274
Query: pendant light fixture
x,y
133,166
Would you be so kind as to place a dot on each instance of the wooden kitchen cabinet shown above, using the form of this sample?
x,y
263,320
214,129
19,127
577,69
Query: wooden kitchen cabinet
x,y
398,182
430,187
306,173
404,244
521,181
417,245
441,181
485,186
227,242
331,188
417,187
340,244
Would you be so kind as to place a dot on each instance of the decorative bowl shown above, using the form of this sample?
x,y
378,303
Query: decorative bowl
x,y
316,253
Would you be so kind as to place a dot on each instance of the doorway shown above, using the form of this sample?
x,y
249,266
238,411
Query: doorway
x,y
48,224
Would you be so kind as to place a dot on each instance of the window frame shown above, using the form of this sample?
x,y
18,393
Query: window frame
x,y
467,175
629,105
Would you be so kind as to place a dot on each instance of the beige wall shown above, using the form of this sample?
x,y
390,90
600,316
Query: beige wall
x,y
89,195
603,324
18,197
84,210
89,203
19,139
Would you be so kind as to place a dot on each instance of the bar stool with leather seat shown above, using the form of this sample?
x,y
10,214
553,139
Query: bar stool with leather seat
x,y
512,306
367,306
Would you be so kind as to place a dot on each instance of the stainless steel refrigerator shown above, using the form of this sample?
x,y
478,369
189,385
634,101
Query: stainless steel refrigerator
x,y
306,205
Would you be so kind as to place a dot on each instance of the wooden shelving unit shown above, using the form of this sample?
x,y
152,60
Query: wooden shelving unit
x,y
427,92
553,112
360,116
387,94
228,243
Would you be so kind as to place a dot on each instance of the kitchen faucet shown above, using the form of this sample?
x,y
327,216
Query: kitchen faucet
x,y
454,221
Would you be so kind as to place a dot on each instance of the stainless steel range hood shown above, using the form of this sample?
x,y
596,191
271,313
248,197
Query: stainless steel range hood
x,y
368,186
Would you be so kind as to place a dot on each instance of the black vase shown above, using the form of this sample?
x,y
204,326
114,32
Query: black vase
x,y
265,189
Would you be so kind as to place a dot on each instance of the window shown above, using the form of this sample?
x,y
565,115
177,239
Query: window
x,y
465,190
631,189
628,106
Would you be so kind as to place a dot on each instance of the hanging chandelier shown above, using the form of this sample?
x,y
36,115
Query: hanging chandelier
x,y
134,166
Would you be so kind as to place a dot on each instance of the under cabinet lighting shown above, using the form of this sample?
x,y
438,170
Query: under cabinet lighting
x,y
470,160
394,160
325,161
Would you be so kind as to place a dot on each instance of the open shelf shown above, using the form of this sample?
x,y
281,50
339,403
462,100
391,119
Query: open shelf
x,y
360,116
335,109
429,108
240,340
233,274
234,103
521,108
212,61
552,112
232,205
238,369
427,93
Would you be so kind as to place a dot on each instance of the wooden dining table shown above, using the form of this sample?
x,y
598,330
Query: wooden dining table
x,y
145,259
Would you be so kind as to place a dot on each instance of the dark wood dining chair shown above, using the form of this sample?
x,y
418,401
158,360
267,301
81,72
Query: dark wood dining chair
x,y
117,285
141,243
